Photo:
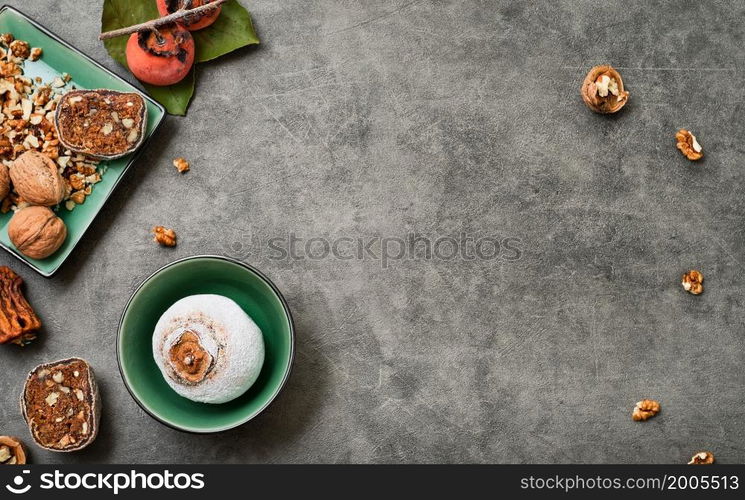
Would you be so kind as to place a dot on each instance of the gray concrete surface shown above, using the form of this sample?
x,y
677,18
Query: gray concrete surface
x,y
391,117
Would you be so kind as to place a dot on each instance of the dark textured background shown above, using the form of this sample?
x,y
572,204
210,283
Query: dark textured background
x,y
387,117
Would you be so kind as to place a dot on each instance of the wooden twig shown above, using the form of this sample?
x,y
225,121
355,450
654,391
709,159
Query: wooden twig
x,y
155,23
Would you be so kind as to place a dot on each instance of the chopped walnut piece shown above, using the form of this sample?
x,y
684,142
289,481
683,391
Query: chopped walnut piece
x,y
78,197
181,165
42,96
6,38
688,145
35,54
8,69
702,458
19,48
644,409
5,147
166,237
693,282
76,181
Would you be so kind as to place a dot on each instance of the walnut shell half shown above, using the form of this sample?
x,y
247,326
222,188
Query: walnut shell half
x,y
602,90
36,232
12,451
36,179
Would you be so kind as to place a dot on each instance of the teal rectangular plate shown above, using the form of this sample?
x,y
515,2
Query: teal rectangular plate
x,y
60,57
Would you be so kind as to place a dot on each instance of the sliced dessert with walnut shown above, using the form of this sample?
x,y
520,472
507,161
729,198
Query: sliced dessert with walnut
x,y
102,123
61,405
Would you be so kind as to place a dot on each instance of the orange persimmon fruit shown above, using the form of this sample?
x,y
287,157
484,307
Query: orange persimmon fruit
x,y
192,22
161,57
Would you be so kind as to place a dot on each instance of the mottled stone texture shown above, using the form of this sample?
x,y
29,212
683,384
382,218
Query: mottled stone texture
x,y
389,117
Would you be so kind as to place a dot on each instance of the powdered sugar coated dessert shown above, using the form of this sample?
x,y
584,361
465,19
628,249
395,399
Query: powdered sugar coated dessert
x,y
208,349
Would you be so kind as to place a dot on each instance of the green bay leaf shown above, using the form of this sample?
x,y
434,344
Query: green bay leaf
x,y
232,30
174,97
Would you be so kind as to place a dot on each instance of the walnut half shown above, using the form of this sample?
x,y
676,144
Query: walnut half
x,y
166,237
181,165
702,458
602,90
644,409
688,145
693,282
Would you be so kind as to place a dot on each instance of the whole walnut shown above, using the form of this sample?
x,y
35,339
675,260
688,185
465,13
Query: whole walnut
x,y
4,181
36,231
36,179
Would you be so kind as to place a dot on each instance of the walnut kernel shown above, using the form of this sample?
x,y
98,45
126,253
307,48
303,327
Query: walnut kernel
x,y
19,48
35,54
181,165
693,282
702,458
688,145
78,197
644,409
166,237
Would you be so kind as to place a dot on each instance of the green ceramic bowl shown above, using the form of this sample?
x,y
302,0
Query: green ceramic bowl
x,y
195,275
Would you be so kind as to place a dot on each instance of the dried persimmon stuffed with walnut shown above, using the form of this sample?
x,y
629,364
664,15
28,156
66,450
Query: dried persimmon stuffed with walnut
x,y
162,56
